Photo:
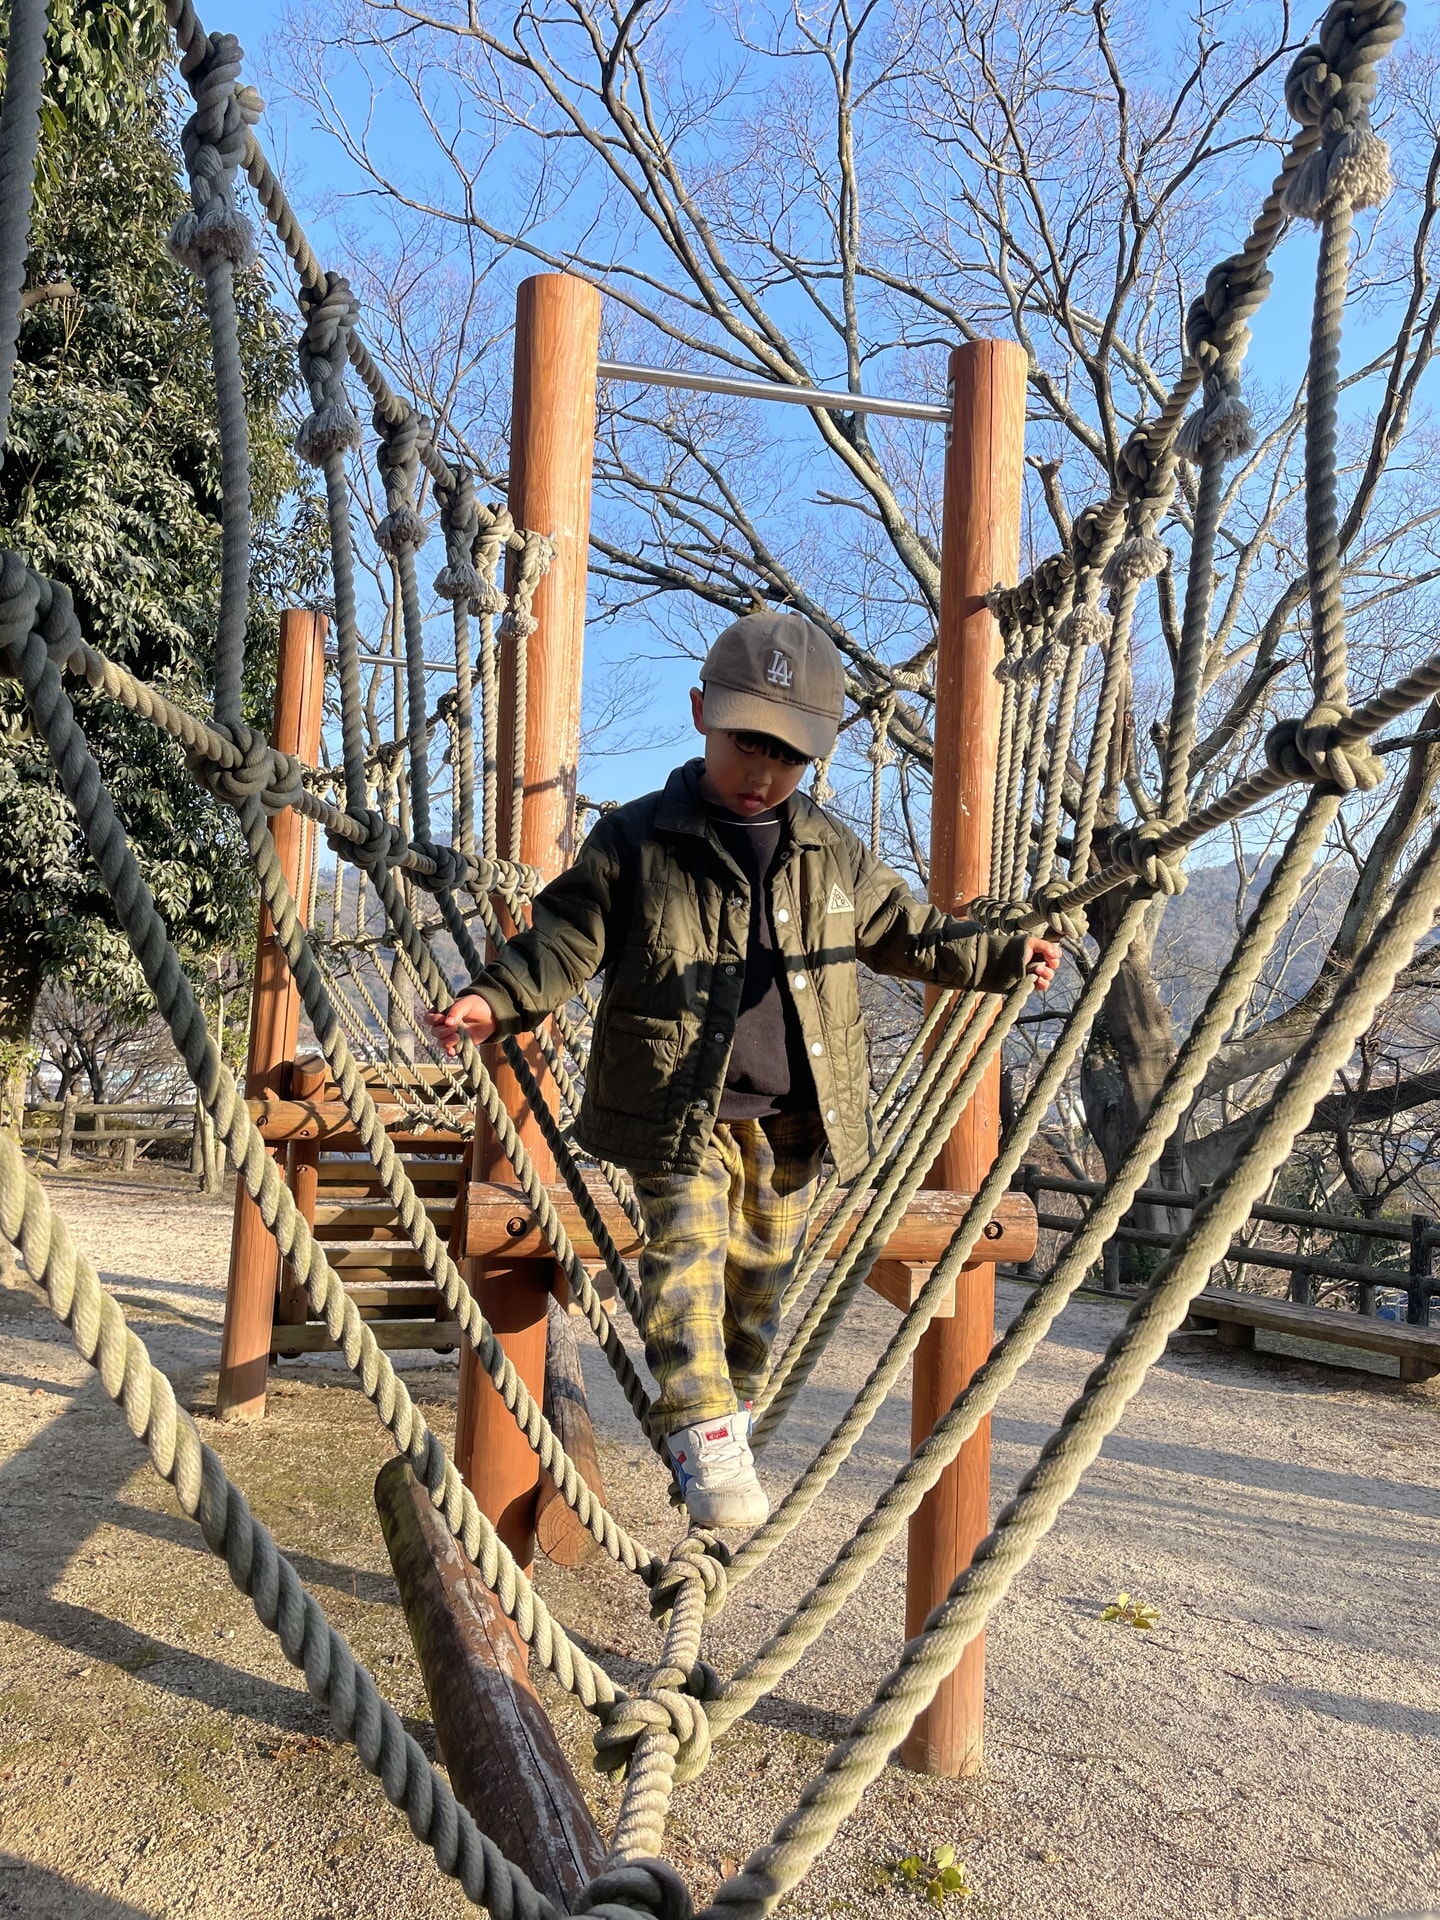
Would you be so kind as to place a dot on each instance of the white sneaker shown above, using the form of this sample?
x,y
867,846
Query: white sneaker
x,y
717,1474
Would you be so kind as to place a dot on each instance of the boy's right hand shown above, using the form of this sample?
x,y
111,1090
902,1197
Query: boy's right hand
x,y
471,1015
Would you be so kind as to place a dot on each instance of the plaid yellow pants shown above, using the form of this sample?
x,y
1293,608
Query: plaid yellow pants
x,y
723,1244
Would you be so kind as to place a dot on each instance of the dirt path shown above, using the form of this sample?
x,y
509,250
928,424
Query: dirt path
x,y
1271,1748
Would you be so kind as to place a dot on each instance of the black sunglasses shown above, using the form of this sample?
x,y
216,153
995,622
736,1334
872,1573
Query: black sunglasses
x,y
772,749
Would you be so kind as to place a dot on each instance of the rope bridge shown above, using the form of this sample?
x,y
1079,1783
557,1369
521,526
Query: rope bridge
x,y
1086,597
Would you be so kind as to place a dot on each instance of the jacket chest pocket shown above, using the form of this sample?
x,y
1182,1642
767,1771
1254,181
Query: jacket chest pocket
x,y
634,1063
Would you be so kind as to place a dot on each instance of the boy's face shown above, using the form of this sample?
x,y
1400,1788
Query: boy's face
x,y
744,783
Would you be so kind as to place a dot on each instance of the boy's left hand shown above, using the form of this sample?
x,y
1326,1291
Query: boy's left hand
x,y
1042,962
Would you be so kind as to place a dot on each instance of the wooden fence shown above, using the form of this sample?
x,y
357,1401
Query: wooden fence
x,y
119,1131
1311,1274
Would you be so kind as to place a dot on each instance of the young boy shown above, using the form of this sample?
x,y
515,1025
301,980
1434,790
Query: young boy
x,y
727,913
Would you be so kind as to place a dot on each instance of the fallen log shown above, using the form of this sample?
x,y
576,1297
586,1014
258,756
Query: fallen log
x,y
504,1761
561,1537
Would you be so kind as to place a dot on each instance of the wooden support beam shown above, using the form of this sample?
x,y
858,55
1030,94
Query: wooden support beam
x,y
306,1078
980,546
282,1118
552,451
560,1535
501,1224
505,1763
274,1026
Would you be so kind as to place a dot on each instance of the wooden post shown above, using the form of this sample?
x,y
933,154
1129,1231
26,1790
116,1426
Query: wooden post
x,y
274,1027
307,1082
980,547
552,447
557,1528
65,1146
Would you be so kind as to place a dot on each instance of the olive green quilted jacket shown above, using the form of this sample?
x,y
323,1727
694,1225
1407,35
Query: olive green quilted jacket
x,y
656,904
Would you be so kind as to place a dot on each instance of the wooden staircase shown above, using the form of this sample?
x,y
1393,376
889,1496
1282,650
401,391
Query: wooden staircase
x,y
338,1191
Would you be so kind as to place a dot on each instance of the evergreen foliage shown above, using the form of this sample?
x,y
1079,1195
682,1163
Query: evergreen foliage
x,y
111,483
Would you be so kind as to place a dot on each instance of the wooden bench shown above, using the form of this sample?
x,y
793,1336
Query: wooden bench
x,y
499,1225
1236,1316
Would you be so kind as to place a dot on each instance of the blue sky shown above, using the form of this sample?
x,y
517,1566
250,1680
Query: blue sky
x,y
315,170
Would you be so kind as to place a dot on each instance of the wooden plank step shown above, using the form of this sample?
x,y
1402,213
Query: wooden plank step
x,y
374,1220
392,1336
1416,1348
347,1179
395,1258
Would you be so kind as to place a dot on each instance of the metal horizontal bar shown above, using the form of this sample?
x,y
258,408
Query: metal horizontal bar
x,y
396,660
774,390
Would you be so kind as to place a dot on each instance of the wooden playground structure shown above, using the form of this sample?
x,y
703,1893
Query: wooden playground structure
x,y
306,1126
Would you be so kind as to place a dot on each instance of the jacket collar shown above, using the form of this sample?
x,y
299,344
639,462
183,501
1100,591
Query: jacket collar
x,y
681,810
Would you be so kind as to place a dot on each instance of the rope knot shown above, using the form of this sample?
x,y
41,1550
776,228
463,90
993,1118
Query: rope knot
x,y
1138,557
1330,88
1005,917
701,1557
452,868
213,142
459,579
1308,750
1065,923
330,316
1085,625
383,845
265,774
1136,849
662,1710
637,1890
398,454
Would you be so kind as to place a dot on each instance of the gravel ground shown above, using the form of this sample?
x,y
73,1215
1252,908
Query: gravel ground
x,y
1271,1748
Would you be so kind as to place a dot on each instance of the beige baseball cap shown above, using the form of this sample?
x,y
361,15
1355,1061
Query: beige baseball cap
x,y
776,673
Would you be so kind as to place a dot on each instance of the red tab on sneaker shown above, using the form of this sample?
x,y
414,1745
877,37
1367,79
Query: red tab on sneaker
x,y
718,1433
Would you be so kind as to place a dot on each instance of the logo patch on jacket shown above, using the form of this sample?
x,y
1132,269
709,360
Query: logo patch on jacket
x,y
839,901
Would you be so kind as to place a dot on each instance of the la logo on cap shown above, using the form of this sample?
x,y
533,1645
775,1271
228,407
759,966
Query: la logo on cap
x,y
780,673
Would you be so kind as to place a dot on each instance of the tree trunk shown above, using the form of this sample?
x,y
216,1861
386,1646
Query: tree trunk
x,y
1130,1050
20,982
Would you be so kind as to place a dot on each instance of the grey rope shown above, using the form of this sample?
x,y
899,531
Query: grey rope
x,y
334,1677
856,1760
216,1090
19,147
764,1670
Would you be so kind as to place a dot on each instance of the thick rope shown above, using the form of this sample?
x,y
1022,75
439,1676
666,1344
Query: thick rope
x,y
922,1126
868,1402
893,1113
855,1761
765,1669
213,239
216,1091
19,147
358,1713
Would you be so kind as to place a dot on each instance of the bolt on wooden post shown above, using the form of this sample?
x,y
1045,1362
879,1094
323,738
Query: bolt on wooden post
x,y
980,548
552,449
274,1026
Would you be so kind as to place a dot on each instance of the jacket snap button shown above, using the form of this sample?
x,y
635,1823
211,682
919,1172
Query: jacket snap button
x,y
816,1048
701,1106
730,969
830,1113
717,1036
783,916
797,980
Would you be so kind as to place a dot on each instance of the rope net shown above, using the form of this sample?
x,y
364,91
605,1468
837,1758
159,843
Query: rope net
x,y
397,890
